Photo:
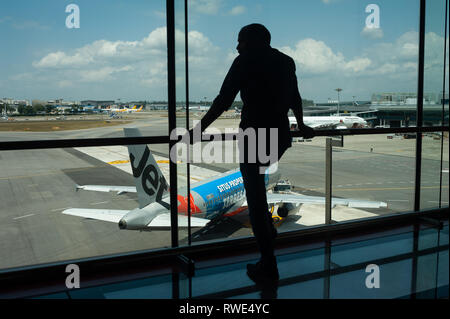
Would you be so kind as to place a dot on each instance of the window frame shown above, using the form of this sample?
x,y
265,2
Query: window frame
x,y
315,230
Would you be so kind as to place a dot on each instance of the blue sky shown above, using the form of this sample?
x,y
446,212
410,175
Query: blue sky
x,y
119,49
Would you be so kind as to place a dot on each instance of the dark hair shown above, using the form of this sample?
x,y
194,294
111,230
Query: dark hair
x,y
256,35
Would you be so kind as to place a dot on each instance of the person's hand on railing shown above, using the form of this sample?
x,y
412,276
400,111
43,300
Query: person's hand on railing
x,y
306,131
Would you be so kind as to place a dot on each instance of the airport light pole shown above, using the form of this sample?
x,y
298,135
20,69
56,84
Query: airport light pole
x,y
338,90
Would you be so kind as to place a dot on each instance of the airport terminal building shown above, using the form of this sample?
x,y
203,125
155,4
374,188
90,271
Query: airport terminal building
x,y
100,206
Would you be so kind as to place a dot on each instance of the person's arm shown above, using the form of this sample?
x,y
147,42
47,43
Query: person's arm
x,y
228,92
216,109
297,108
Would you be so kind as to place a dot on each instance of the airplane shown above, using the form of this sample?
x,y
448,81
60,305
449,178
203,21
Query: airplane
x,y
134,109
199,108
331,122
217,196
125,110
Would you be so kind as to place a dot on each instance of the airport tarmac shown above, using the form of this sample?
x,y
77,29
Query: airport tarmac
x,y
37,185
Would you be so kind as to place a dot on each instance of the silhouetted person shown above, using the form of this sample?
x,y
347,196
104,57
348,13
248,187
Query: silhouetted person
x,y
268,85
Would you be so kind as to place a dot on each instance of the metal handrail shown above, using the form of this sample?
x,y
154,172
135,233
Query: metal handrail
x,y
89,142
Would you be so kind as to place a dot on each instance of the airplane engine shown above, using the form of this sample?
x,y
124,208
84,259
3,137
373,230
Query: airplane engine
x,y
137,219
284,209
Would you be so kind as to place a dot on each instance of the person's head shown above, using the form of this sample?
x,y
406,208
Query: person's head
x,y
253,36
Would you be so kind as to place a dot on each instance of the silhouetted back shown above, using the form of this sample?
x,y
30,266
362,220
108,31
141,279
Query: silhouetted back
x,y
268,85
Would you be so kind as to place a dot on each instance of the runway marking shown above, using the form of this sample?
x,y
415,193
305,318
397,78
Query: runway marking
x,y
119,162
166,162
127,161
57,209
23,216
98,203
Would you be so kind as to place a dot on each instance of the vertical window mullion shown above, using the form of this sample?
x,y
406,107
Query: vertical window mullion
x,y
419,116
188,171
170,16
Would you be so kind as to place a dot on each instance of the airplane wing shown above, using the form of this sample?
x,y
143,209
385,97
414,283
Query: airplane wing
x,y
163,220
303,199
115,215
107,215
105,188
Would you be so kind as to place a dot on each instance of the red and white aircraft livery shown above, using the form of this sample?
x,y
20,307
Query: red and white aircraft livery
x,y
221,195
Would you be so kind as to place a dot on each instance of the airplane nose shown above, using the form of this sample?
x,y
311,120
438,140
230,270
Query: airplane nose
x,y
122,224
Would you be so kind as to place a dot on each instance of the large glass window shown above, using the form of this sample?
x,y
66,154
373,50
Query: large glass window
x,y
82,70
92,69
79,71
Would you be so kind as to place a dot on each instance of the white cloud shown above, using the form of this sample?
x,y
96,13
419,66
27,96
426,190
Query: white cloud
x,y
237,10
315,57
60,59
138,69
210,7
117,65
102,74
372,33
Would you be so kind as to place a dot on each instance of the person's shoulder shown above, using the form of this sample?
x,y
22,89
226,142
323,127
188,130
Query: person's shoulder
x,y
240,59
283,56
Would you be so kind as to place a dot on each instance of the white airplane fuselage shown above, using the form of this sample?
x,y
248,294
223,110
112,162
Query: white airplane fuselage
x,y
339,122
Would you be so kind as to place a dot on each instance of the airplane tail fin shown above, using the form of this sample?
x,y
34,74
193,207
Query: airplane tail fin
x,y
150,181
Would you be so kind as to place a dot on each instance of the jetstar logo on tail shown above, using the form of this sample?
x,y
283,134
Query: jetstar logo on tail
x,y
150,179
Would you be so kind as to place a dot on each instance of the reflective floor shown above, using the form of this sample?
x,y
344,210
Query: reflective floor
x,y
391,266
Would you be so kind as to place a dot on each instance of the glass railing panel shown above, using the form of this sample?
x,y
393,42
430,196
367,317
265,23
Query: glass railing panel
x,y
444,236
378,248
312,289
427,268
233,276
149,288
394,282
442,276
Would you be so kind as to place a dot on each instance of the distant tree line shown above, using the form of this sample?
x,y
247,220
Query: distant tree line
x,y
43,109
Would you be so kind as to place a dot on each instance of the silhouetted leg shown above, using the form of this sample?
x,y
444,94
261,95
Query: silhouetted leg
x,y
258,208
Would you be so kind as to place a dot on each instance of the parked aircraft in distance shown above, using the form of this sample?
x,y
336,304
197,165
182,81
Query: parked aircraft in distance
x,y
125,110
330,122
199,108
221,195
